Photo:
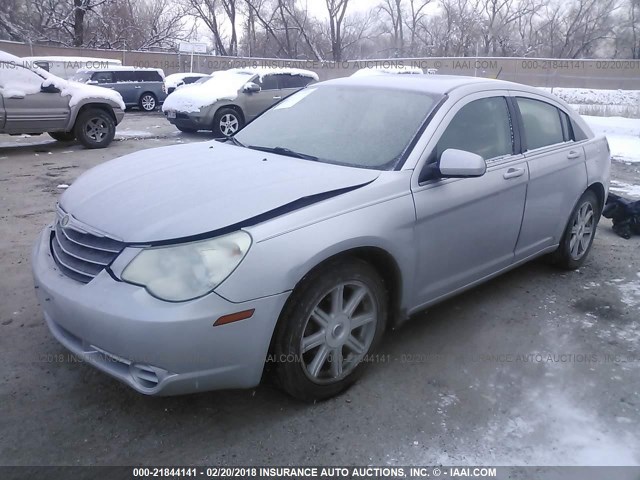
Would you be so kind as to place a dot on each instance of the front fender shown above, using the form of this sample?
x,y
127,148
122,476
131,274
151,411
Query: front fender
x,y
278,263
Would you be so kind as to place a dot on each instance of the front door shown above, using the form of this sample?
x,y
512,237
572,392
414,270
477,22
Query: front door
x,y
27,109
256,103
467,228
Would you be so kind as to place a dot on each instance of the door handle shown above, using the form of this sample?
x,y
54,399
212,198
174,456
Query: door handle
x,y
573,154
137,86
277,98
513,173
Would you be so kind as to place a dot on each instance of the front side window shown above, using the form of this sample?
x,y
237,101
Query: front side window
x,y
268,82
357,126
482,127
542,125
16,80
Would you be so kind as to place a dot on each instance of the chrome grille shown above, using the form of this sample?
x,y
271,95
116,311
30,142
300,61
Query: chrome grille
x,y
80,255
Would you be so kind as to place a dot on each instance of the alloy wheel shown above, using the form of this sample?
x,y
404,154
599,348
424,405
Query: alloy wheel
x,y
581,231
97,129
148,103
229,124
338,333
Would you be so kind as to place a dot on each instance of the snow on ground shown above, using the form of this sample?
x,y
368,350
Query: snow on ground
x,y
623,135
625,189
604,103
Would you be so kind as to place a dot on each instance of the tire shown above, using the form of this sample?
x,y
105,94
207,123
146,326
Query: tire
x,y
95,128
579,233
312,372
187,130
148,102
227,122
63,136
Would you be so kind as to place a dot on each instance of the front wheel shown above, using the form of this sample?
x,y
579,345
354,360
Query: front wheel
x,y
95,128
226,122
63,136
148,102
334,319
579,233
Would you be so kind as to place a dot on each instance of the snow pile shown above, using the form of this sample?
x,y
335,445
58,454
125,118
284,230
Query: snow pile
x,y
172,81
397,69
262,71
223,85
18,81
589,101
623,135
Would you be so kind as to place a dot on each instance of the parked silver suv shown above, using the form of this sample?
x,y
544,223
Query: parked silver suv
x,y
139,87
33,101
232,98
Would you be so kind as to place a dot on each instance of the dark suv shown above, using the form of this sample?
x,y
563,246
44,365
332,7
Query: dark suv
x,y
139,87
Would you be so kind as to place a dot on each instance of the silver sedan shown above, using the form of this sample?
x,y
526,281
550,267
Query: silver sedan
x,y
295,244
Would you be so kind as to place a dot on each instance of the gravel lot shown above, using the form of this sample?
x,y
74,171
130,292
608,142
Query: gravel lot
x,y
536,367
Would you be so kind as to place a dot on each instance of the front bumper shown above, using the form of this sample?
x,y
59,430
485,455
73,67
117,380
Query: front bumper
x,y
119,114
195,121
156,347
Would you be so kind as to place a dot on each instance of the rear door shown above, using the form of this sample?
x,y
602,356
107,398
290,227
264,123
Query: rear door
x,y
26,108
126,85
289,84
467,228
558,173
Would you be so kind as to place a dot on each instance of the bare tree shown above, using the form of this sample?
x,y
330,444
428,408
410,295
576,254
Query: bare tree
x,y
394,11
337,10
209,12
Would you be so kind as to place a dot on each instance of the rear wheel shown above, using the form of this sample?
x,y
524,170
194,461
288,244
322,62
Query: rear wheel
x,y
226,122
63,136
148,102
579,233
334,319
95,128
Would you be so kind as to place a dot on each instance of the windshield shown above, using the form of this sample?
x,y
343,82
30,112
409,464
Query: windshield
x,y
82,77
351,125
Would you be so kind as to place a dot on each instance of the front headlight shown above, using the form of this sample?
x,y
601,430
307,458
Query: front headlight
x,y
184,272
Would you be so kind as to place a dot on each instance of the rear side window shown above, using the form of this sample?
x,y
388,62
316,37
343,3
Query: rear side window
x,y
148,76
294,81
125,76
542,124
102,77
482,127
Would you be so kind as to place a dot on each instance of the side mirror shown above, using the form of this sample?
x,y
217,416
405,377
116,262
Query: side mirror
x,y
49,88
91,82
461,164
251,88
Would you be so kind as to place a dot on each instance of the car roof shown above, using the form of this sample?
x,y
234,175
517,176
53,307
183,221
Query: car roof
x,y
433,84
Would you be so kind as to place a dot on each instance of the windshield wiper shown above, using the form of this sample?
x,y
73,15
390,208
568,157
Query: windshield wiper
x,y
283,151
232,140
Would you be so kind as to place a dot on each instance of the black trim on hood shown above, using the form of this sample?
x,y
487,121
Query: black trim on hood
x,y
263,217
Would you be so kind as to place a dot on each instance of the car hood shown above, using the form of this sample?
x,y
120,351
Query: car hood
x,y
183,191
